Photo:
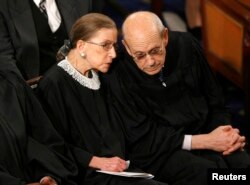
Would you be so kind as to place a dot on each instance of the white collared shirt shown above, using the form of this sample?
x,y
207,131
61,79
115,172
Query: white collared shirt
x,y
54,18
187,142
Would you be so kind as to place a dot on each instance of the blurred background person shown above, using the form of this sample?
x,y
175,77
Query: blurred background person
x,y
180,15
32,31
32,152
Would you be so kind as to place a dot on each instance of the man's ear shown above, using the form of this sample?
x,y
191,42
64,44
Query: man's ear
x,y
165,36
126,46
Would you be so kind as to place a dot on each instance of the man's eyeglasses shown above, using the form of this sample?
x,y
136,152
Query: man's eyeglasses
x,y
106,46
141,56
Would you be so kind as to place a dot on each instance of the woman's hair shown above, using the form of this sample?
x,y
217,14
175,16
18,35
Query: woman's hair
x,y
84,29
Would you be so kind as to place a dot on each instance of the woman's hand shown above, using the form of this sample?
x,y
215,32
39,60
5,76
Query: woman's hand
x,y
114,164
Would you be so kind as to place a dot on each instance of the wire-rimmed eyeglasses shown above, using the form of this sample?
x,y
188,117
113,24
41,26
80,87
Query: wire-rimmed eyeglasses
x,y
141,56
106,46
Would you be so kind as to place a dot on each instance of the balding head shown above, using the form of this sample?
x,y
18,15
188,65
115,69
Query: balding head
x,y
141,23
145,39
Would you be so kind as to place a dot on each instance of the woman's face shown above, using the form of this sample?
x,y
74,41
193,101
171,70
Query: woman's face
x,y
100,49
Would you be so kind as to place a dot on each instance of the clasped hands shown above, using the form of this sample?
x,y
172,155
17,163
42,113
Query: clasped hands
x,y
226,139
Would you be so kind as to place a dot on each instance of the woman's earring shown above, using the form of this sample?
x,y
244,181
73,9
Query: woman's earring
x,y
83,55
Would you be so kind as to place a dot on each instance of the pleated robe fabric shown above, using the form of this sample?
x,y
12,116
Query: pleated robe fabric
x,y
158,110
30,146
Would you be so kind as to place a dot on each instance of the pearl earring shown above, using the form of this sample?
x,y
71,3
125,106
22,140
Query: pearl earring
x,y
83,55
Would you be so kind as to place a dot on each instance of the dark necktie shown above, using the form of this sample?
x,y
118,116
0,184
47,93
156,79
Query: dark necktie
x,y
43,8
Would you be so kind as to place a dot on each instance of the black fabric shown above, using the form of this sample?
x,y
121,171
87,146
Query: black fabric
x,y
49,42
80,115
155,118
30,146
18,36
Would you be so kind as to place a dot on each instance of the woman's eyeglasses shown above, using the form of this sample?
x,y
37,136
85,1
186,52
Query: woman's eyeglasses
x,y
106,46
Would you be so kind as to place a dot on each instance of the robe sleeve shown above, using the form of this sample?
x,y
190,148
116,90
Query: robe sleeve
x,y
149,142
60,163
205,78
53,101
43,151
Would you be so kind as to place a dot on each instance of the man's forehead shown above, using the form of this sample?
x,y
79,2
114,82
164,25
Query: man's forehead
x,y
143,41
135,28
147,18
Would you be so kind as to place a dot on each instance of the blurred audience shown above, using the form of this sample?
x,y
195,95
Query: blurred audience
x,y
33,30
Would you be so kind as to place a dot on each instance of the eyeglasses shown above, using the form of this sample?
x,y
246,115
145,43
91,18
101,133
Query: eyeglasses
x,y
141,56
106,46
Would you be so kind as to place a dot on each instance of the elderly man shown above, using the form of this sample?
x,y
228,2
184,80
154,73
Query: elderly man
x,y
170,105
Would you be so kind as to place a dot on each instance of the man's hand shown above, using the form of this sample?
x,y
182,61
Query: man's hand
x,y
234,140
223,139
239,144
114,164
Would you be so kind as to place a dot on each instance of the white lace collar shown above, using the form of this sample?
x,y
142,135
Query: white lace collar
x,y
91,83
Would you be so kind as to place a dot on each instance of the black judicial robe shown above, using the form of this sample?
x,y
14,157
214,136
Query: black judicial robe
x,y
30,146
155,118
80,115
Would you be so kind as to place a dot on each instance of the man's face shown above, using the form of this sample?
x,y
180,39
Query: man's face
x,y
148,51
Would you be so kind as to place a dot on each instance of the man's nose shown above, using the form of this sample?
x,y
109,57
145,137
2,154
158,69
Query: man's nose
x,y
150,60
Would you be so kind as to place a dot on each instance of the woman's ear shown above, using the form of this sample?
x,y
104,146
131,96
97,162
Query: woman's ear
x,y
80,44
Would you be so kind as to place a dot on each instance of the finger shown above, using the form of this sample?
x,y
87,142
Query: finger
x,y
236,130
123,163
235,147
242,146
114,168
226,127
111,167
242,139
235,138
121,166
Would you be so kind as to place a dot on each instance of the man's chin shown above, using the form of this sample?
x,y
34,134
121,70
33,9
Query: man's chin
x,y
152,72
